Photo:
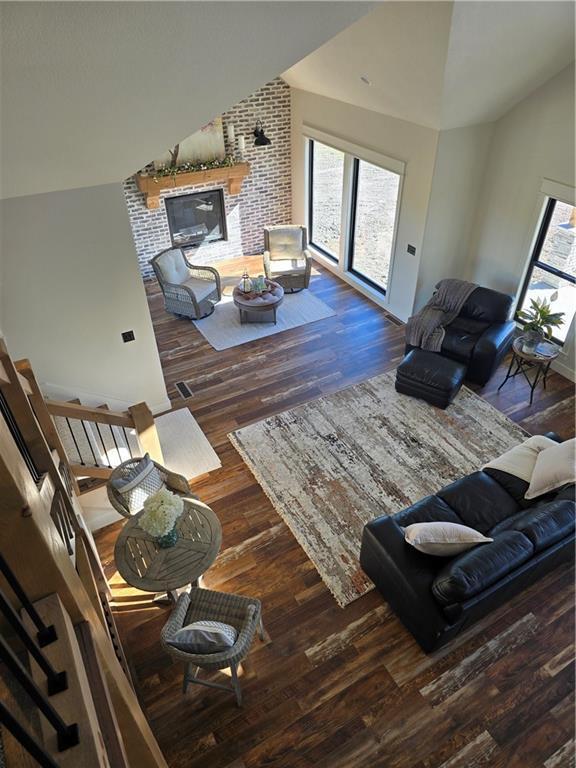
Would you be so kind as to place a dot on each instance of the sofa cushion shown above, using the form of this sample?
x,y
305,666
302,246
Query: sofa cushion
x,y
555,467
476,570
288,266
544,524
427,510
488,306
512,485
460,338
479,501
173,267
200,288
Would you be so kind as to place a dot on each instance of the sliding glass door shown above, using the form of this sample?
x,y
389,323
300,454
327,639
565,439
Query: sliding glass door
x,y
325,184
374,202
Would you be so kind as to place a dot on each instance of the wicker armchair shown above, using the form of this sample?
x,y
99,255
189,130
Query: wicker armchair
x,y
243,613
286,258
176,483
189,290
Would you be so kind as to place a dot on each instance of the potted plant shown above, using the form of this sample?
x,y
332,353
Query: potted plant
x,y
539,321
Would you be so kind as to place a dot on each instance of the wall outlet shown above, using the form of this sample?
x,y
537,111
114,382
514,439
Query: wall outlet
x,y
128,336
411,250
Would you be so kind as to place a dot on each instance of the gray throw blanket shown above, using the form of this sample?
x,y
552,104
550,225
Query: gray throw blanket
x,y
426,329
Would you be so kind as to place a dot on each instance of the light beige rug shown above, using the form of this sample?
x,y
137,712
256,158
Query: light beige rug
x,y
331,465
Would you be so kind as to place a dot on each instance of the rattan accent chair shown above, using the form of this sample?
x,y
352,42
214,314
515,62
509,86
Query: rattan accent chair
x,y
286,258
243,613
189,290
174,482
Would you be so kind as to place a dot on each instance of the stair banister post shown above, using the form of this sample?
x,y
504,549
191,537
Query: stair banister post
x,y
145,427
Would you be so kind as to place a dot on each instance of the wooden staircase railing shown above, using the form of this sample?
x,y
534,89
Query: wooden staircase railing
x,y
100,438
66,626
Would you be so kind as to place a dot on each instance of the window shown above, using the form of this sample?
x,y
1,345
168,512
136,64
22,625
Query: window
x,y
374,201
352,209
552,271
326,169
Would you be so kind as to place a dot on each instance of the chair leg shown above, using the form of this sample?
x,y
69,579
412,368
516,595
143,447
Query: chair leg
x,y
186,678
236,683
261,629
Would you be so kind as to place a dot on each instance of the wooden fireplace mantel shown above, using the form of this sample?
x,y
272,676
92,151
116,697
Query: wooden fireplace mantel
x,y
233,175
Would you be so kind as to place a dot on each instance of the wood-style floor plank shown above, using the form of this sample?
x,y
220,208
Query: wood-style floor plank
x,y
332,687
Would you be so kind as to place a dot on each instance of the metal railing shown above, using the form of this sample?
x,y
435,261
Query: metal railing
x,y
67,734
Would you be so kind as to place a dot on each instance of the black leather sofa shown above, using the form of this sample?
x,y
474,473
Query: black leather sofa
x,y
436,598
481,334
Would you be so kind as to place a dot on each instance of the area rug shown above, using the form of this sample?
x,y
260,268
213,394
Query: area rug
x,y
331,465
222,329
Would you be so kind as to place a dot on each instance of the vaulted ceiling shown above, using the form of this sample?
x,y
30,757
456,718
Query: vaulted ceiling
x,y
91,91
442,64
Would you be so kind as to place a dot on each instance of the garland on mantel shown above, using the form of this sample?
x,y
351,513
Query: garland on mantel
x,y
209,165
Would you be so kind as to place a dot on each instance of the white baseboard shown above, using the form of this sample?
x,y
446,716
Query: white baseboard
x,y
564,370
352,280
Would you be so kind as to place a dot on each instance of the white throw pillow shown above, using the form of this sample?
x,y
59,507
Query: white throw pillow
x,y
444,539
554,468
204,637
521,460
141,482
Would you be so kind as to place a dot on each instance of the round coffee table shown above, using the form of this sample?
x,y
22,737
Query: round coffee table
x,y
523,361
145,565
259,304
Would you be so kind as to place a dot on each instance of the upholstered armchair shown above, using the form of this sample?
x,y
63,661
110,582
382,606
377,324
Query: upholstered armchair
x,y
481,334
286,260
189,290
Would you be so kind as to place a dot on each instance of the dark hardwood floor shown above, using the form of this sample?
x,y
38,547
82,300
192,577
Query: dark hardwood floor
x,y
332,687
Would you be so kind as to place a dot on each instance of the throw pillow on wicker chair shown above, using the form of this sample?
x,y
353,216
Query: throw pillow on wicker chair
x,y
138,484
203,637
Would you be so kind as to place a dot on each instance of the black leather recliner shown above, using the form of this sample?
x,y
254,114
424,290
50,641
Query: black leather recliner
x,y
481,334
436,598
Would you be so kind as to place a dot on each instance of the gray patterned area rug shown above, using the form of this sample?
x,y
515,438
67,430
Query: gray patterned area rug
x,y
331,465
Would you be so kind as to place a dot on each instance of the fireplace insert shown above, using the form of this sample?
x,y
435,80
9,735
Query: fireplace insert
x,y
196,218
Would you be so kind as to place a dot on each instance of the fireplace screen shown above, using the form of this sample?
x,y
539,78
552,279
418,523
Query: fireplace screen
x,y
196,218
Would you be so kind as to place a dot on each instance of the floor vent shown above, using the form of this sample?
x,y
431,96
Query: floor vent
x,y
184,389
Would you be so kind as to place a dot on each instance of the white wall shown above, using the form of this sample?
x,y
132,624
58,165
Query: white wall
x,y
408,142
71,285
534,141
456,186
91,92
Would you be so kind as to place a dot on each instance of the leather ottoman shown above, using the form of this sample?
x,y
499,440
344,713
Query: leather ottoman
x,y
430,376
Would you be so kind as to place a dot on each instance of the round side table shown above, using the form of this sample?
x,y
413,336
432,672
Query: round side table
x,y
145,565
259,304
522,362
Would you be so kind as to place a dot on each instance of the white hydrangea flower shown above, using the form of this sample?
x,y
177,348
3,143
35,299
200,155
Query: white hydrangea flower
x,y
161,512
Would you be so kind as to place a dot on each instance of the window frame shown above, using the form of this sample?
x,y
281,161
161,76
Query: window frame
x,y
352,225
534,262
332,256
353,155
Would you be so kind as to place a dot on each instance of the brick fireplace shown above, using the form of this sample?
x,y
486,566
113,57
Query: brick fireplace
x,y
264,199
